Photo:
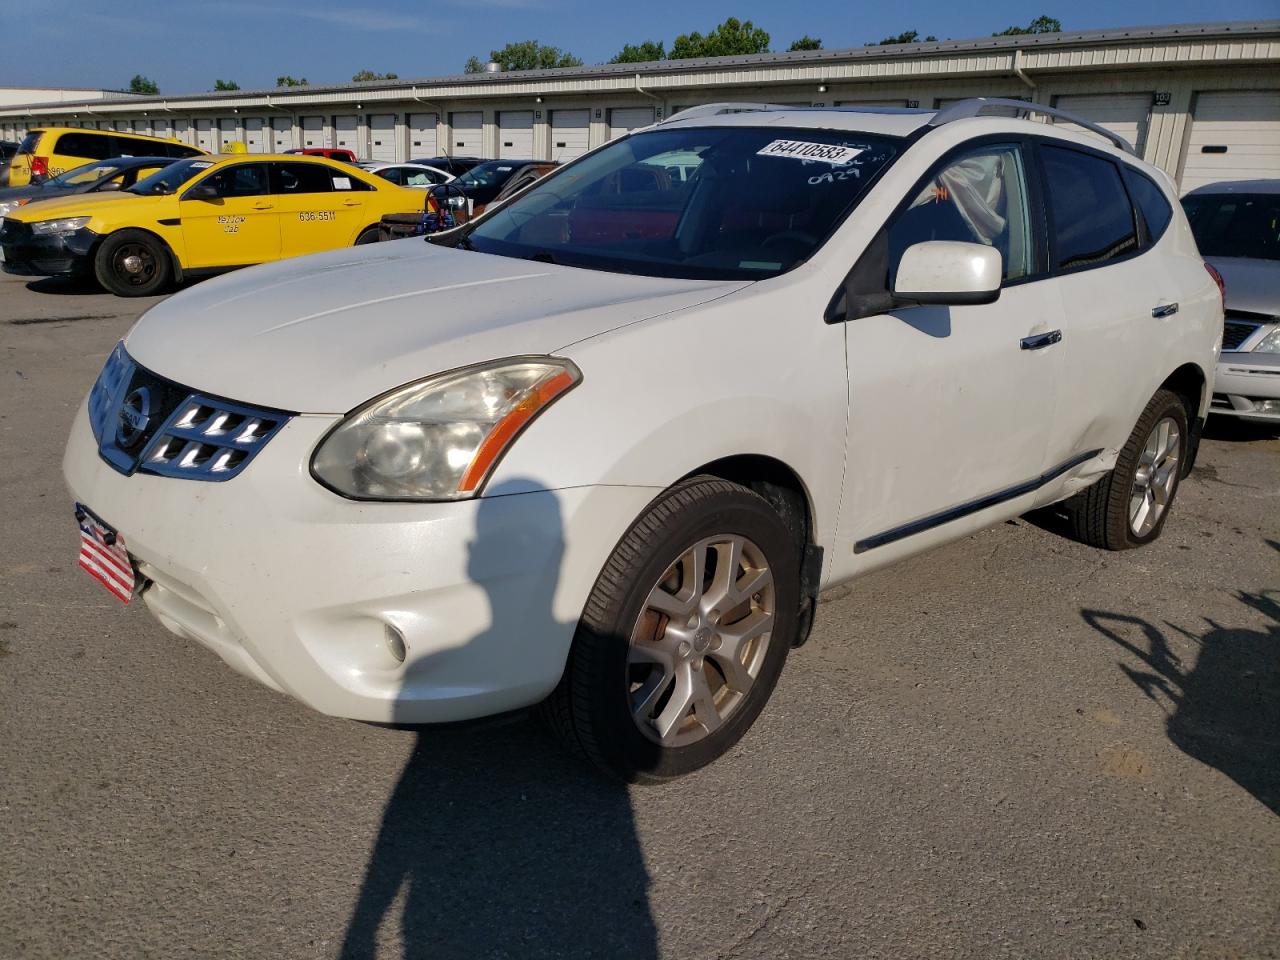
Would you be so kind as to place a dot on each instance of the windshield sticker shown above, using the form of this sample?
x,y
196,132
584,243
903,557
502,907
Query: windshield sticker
x,y
342,183
201,164
800,150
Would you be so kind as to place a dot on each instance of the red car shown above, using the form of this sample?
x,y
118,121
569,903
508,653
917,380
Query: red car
x,y
333,153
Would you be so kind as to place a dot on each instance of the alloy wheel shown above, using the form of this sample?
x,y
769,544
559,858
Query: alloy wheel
x,y
1155,478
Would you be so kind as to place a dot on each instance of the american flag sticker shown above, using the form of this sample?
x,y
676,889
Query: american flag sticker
x,y
103,556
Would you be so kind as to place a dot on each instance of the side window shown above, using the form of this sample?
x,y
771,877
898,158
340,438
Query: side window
x,y
421,178
125,147
1089,211
90,146
343,182
178,150
302,178
392,175
979,197
242,180
1150,200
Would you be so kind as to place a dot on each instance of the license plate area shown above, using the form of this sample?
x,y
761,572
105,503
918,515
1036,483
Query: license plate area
x,y
104,556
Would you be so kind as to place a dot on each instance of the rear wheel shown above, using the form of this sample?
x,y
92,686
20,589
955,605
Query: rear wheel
x,y
1128,507
367,235
132,263
684,635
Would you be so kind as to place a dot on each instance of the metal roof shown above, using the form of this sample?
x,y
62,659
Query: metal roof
x,y
1240,30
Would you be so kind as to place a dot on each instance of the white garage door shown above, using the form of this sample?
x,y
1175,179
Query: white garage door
x,y
1234,136
422,136
382,137
204,135
281,134
467,134
255,137
570,134
182,130
227,132
625,119
160,128
344,134
312,132
515,135
1124,113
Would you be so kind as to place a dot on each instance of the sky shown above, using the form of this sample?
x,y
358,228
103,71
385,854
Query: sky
x,y
185,46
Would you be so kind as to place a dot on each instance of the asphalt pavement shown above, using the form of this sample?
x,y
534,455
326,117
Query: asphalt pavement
x,y
1015,746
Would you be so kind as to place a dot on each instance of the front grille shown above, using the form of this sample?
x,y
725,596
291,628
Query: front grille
x,y
145,423
1236,332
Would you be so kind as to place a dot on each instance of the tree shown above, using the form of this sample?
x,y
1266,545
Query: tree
x,y
731,38
225,85
1038,25
140,84
641,52
805,43
907,36
526,55
288,81
364,75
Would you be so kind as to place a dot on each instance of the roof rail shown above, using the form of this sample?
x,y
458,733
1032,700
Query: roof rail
x,y
716,109
976,106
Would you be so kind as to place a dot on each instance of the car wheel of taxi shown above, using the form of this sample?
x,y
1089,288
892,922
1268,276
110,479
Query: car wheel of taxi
x,y
683,636
368,235
132,263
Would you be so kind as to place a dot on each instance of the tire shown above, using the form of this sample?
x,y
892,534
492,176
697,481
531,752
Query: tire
x,y
132,263
614,665
367,235
1103,514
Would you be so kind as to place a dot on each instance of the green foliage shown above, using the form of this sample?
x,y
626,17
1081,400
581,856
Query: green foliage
x,y
1038,25
805,43
140,84
641,52
907,36
525,55
225,85
731,38
364,75
288,81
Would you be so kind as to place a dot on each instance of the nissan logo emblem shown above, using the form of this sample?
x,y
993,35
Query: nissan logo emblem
x,y
135,414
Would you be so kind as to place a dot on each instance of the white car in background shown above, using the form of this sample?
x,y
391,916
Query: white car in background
x,y
600,449
409,174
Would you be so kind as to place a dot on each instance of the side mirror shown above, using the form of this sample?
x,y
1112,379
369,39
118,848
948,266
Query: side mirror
x,y
201,191
948,272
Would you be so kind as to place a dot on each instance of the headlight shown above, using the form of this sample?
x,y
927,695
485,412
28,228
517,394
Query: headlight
x,y
440,438
8,206
1269,344
58,228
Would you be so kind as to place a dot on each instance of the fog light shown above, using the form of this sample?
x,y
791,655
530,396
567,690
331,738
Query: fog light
x,y
395,643
1267,406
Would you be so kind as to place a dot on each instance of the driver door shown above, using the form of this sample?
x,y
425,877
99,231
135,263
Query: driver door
x,y
239,226
950,407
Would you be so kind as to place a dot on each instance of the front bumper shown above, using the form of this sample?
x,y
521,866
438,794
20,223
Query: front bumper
x,y
297,587
28,255
1244,383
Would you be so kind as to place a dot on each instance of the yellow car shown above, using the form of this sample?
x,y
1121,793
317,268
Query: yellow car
x,y
50,151
201,215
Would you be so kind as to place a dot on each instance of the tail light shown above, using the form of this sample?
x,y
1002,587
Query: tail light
x,y
39,166
1222,284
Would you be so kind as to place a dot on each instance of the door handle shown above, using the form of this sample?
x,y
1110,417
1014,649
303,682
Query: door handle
x,y
351,203
1164,310
262,205
1040,340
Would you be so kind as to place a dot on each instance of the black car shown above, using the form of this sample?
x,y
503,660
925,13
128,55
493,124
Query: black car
x,y
99,176
7,149
483,182
454,165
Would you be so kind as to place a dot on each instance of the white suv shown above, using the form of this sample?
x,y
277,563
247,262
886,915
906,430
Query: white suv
x,y
600,449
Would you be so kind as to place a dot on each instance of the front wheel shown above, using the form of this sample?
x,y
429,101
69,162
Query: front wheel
x,y
132,263
684,635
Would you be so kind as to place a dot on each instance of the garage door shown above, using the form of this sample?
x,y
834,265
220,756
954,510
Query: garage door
x,y
515,135
570,134
227,132
160,128
255,137
1234,136
1124,113
625,119
382,137
467,131
281,134
204,135
344,134
422,135
182,130
313,132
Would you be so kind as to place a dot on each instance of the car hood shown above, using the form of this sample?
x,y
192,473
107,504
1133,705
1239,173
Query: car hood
x,y
1253,285
70,205
325,333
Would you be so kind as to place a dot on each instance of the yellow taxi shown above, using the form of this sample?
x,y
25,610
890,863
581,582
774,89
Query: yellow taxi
x,y
50,151
199,215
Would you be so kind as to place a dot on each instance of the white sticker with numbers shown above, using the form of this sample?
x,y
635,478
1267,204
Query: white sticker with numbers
x,y
801,150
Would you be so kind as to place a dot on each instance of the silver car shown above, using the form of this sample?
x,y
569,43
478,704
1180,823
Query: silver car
x,y
1237,226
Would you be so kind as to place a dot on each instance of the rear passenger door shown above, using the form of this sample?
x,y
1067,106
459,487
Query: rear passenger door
x,y
321,207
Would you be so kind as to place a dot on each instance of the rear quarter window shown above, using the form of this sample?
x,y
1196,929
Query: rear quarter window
x,y
1091,219
28,144
86,145
1153,207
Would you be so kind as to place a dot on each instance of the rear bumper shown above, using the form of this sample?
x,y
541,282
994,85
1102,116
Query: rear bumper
x,y
1247,385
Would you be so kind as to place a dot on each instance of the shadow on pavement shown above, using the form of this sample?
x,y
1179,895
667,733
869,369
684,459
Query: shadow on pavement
x,y
1224,710
66,286
495,840
1233,430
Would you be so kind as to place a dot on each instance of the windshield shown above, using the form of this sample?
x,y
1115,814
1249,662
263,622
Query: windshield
x,y
89,173
168,180
486,174
741,203
1235,224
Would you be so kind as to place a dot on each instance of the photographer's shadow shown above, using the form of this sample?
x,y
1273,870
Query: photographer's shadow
x,y
499,843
